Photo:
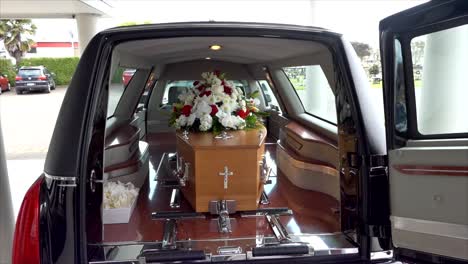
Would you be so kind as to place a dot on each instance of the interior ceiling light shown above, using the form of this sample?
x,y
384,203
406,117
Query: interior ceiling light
x,y
207,58
215,47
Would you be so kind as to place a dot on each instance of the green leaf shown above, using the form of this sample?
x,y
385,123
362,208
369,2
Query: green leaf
x,y
251,121
255,94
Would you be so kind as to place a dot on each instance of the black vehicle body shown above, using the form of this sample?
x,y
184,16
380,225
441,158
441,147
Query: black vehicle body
x,y
34,78
76,146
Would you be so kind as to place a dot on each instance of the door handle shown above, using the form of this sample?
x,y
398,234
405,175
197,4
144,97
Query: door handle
x,y
93,181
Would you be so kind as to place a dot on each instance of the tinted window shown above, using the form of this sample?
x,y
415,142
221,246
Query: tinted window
x,y
119,82
312,87
29,72
268,95
440,66
176,87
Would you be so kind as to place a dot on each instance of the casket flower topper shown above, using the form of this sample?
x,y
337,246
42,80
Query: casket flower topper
x,y
216,104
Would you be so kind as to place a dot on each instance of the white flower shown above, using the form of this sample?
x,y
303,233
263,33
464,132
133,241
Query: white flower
x,y
181,122
191,119
213,99
202,108
119,195
243,105
217,89
215,81
230,121
205,75
206,121
240,123
220,114
226,108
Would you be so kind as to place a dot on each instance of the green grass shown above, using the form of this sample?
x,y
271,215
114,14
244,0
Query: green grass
x,y
417,84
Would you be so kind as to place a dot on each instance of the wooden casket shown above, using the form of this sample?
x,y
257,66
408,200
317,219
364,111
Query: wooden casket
x,y
211,159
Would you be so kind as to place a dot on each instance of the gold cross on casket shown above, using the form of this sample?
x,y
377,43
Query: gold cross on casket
x,y
226,173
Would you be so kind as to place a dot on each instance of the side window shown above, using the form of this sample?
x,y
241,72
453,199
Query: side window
x,y
440,66
173,89
150,83
119,81
268,95
400,114
312,87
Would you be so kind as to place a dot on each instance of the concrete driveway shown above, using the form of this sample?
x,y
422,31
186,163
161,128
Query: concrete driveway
x,y
28,122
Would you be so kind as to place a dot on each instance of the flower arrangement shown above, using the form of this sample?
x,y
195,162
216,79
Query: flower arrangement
x,y
119,195
215,104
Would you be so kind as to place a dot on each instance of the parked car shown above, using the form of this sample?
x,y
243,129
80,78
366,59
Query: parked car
x,y
127,76
353,187
34,78
4,83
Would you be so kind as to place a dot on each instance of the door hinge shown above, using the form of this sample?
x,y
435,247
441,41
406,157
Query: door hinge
x,y
380,231
93,181
373,161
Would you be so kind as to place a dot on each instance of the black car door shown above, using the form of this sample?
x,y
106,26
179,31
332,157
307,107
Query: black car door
x,y
425,65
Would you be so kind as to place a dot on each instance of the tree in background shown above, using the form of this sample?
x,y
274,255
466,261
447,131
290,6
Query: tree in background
x,y
133,23
15,34
362,49
374,70
417,51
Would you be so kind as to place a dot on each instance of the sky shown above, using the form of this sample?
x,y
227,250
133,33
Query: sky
x,y
358,20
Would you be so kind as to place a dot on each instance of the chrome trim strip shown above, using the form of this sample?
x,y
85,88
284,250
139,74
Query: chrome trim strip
x,y
170,233
430,227
161,161
175,198
67,181
382,255
435,170
278,229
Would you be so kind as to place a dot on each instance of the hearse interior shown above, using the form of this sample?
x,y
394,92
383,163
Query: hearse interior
x,y
304,196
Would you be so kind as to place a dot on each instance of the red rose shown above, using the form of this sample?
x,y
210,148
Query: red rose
x,y
227,90
195,83
186,110
243,114
217,73
175,109
201,87
207,93
214,110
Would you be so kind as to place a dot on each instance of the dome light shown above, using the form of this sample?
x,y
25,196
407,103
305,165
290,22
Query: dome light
x,y
215,47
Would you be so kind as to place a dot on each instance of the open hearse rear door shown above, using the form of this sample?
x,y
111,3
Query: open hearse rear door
x,y
425,71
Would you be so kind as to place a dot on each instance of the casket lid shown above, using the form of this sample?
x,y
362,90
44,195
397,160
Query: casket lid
x,y
249,138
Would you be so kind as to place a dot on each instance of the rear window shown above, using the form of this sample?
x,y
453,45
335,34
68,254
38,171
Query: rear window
x,y
29,72
176,87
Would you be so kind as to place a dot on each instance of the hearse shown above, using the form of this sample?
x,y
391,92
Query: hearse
x,y
347,183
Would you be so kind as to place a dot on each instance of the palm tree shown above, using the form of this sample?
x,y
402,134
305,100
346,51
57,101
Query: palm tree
x,y
15,34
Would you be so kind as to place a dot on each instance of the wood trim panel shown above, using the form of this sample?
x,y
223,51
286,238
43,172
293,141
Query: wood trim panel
x,y
291,152
133,161
122,136
434,170
307,135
